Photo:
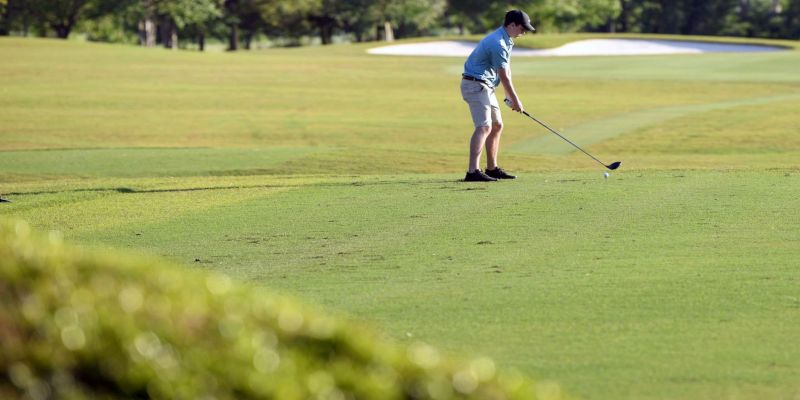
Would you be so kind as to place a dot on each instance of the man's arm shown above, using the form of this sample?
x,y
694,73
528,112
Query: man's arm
x,y
505,78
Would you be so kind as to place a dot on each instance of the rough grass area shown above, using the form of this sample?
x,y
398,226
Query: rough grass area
x,y
91,325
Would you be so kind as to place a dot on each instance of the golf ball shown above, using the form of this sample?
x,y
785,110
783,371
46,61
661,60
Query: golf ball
x,y
605,175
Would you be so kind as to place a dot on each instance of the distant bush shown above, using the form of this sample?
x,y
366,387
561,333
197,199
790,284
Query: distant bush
x,y
77,324
106,29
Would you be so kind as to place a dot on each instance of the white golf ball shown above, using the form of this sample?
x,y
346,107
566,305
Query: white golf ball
x,y
605,175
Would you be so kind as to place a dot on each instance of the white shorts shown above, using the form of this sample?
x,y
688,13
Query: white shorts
x,y
482,103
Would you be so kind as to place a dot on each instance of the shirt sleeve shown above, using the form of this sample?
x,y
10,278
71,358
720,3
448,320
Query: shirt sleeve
x,y
500,57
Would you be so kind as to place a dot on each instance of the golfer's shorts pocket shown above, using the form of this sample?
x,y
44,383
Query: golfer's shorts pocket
x,y
471,87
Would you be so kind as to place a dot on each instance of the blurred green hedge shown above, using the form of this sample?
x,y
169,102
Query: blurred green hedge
x,y
77,325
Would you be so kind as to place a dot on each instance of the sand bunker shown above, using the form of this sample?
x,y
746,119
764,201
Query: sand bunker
x,y
591,47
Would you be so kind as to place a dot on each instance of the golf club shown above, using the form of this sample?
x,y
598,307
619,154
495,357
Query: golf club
x,y
611,166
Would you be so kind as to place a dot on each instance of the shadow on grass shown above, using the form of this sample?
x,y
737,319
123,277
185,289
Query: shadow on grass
x,y
128,190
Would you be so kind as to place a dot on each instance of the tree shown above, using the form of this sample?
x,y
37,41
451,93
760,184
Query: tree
x,y
241,21
476,15
575,15
287,19
623,19
250,21
147,22
58,15
323,15
415,17
202,24
19,17
247,18
231,8
110,21
696,13
408,17
4,18
792,20
178,14
357,17
160,20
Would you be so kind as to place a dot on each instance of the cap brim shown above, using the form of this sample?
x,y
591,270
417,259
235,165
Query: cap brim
x,y
529,27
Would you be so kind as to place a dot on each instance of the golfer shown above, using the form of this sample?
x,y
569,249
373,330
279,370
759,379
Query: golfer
x,y
488,65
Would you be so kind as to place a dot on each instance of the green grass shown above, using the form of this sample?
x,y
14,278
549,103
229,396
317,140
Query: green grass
x,y
117,162
332,175
86,325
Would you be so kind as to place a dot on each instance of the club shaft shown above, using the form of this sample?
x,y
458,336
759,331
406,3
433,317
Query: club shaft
x,y
562,137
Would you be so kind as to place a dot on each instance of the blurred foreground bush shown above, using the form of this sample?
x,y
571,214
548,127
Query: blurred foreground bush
x,y
76,325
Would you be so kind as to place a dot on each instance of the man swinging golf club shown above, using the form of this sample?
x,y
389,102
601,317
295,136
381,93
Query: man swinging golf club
x,y
487,65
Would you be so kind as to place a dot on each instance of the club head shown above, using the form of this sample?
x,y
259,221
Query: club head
x,y
614,165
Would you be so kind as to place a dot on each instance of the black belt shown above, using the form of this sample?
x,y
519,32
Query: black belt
x,y
469,78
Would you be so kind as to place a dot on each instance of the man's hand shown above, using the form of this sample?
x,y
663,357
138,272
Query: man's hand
x,y
512,100
515,105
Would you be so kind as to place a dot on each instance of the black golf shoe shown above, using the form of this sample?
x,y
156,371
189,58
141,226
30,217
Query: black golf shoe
x,y
478,176
498,173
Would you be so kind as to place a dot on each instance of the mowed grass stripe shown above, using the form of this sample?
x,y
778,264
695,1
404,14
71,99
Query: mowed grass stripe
x,y
92,210
149,162
127,212
768,128
291,232
596,131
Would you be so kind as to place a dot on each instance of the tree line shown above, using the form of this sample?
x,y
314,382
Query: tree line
x,y
174,23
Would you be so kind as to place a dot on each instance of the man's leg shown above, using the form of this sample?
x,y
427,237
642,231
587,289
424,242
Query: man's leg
x,y
476,146
493,145
478,97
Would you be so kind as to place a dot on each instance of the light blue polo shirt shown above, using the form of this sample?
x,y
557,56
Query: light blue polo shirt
x,y
491,54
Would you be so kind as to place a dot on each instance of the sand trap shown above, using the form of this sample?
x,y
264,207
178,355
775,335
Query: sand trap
x,y
591,47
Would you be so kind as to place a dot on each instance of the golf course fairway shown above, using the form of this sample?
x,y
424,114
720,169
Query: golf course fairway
x,y
333,176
